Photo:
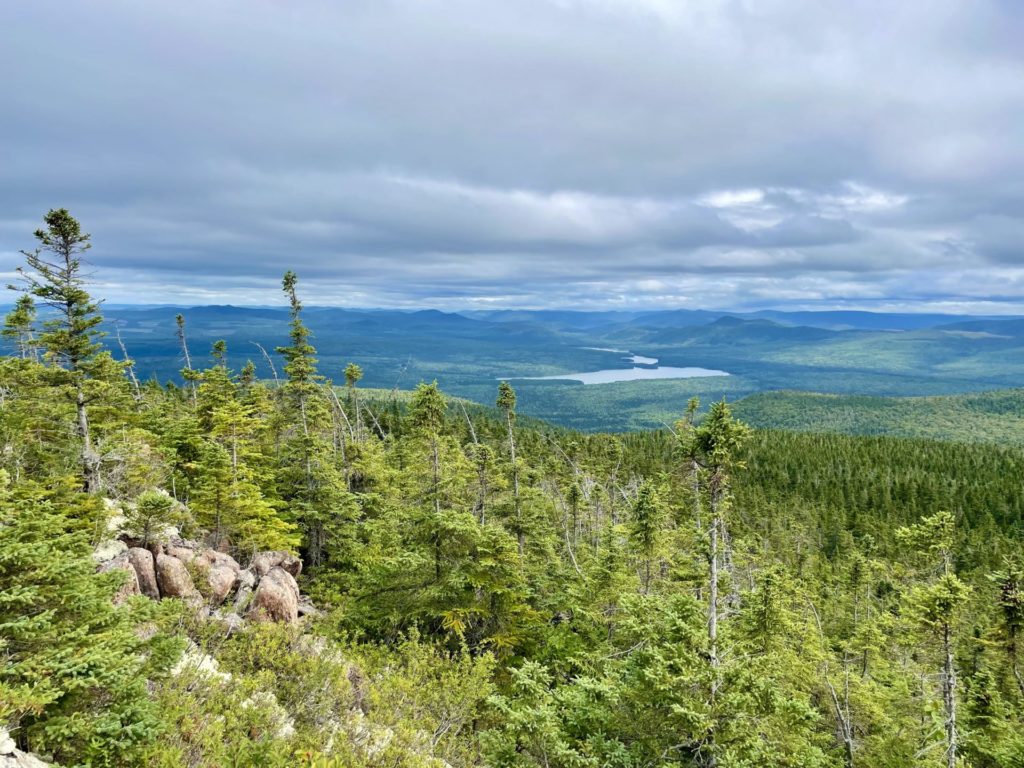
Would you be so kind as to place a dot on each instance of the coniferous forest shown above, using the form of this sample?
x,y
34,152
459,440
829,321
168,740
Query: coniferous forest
x,y
479,589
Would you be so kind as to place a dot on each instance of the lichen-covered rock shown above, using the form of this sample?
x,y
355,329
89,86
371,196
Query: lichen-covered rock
x,y
173,578
131,584
306,607
263,562
12,757
246,586
221,580
276,597
242,598
19,759
231,622
247,578
142,562
281,723
106,551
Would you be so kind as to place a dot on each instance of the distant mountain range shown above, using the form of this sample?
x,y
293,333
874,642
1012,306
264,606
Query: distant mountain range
x,y
838,352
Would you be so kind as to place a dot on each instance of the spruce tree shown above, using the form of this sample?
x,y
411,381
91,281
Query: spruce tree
x,y
645,529
188,373
311,478
19,327
715,448
506,402
1010,583
73,677
151,514
935,607
53,274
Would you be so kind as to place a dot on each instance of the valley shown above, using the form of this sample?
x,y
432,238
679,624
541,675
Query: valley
x,y
612,371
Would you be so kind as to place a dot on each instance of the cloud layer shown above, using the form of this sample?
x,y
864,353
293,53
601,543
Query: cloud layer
x,y
581,153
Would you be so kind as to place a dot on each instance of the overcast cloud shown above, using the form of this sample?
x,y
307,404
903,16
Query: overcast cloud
x,y
472,153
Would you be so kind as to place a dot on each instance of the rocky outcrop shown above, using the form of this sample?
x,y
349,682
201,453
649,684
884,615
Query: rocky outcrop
x,y
221,580
173,578
263,562
213,558
145,569
276,597
131,583
212,580
185,554
12,757
108,550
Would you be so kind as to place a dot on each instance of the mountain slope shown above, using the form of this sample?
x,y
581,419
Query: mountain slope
x,y
987,417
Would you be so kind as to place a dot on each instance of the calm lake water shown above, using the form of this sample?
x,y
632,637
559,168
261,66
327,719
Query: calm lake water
x,y
611,375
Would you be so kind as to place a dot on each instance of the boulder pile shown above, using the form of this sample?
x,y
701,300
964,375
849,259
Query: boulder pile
x,y
266,590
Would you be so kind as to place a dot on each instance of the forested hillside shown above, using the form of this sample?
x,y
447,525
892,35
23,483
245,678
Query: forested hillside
x,y
492,591
983,417
858,354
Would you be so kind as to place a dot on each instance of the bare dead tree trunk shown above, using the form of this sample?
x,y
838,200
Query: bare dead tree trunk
x,y
130,365
520,532
841,709
469,423
713,596
270,362
188,358
949,684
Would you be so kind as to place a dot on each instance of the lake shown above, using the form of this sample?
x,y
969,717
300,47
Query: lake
x,y
611,375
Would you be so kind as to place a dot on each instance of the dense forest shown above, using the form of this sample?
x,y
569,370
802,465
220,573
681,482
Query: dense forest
x,y
491,590
989,417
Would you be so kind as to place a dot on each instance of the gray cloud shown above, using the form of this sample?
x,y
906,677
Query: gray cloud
x,y
483,153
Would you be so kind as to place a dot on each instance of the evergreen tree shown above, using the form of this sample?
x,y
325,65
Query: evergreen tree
x,y
506,402
645,529
151,513
19,328
73,681
715,447
311,478
189,374
935,607
53,274
353,375
1010,583
228,498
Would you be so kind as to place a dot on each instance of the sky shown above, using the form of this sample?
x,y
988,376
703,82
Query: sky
x,y
577,154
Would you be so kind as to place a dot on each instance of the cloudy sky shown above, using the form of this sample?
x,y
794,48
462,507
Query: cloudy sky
x,y
528,153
